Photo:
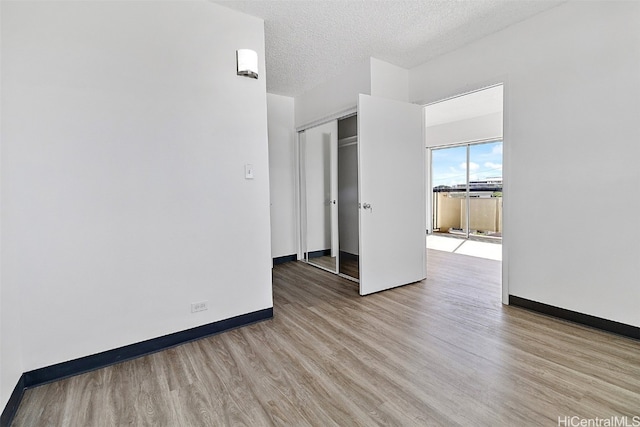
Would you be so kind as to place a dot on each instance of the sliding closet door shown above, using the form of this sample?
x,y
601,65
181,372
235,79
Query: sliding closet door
x,y
391,184
333,196
319,147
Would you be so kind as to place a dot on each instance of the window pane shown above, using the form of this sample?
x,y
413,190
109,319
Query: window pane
x,y
485,189
449,177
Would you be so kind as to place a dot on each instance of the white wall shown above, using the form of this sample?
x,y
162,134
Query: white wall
x,y
334,96
389,81
572,96
282,167
11,366
471,129
340,94
125,135
471,117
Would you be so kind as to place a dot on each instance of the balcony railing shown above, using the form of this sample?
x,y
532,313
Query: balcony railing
x,y
485,211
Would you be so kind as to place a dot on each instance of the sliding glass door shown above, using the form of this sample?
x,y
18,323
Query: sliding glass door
x,y
467,190
485,190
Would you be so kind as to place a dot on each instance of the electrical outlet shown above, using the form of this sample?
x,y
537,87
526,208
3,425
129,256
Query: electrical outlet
x,y
199,306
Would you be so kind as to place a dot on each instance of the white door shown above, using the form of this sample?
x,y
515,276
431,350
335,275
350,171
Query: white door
x,y
391,188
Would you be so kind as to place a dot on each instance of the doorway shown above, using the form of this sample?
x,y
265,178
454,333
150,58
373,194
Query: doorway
x,y
464,137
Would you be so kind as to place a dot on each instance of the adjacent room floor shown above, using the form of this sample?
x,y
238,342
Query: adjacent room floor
x,y
476,248
443,351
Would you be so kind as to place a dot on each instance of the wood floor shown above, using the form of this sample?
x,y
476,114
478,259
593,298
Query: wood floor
x,y
348,266
439,352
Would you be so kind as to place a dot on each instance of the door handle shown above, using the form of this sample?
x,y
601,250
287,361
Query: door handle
x,y
367,206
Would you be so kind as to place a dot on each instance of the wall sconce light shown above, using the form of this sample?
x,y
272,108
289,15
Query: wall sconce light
x,y
247,61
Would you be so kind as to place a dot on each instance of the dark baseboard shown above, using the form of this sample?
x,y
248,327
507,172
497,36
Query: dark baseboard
x,y
285,258
581,318
349,256
316,254
12,405
111,357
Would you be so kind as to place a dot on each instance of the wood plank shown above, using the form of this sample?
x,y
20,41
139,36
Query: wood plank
x,y
443,351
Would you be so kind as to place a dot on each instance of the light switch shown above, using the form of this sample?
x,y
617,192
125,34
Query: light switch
x,y
248,171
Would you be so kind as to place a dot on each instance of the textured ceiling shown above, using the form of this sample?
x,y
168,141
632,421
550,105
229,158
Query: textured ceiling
x,y
308,42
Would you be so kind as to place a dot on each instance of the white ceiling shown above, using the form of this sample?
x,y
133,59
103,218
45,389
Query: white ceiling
x,y
308,42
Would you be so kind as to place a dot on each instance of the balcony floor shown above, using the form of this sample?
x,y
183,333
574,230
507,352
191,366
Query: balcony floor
x,y
479,249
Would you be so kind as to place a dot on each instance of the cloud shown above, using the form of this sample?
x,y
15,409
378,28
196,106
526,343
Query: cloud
x,y
472,166
491,165
497,149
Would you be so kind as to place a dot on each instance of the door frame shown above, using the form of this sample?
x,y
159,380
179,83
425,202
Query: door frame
x,y
504,81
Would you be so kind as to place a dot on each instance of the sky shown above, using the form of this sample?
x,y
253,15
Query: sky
x,y
449,165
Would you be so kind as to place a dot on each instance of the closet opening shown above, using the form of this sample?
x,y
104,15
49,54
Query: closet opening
x,y
329,196
348,222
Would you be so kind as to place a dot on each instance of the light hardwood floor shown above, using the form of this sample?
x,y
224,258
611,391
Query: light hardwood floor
x,y
439,352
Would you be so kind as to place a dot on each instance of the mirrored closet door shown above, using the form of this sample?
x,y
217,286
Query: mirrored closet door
x,y
329,196
319,164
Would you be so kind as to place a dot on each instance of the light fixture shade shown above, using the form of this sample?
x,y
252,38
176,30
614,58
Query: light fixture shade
x,y
247,60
